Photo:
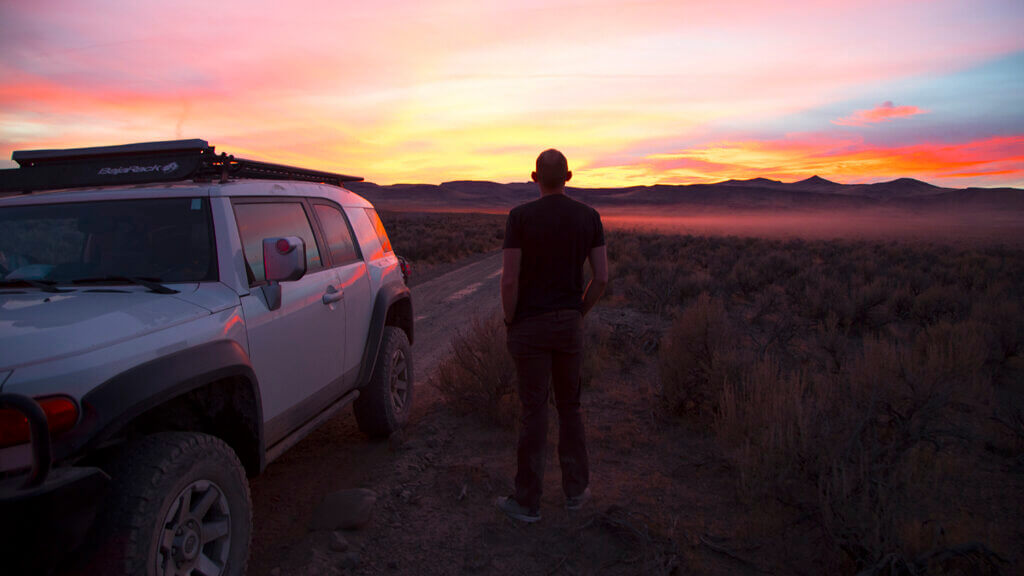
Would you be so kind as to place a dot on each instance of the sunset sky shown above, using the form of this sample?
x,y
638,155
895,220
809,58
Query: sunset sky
x,y
632,92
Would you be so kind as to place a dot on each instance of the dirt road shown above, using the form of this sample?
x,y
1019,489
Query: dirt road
x,y
442,306
337,455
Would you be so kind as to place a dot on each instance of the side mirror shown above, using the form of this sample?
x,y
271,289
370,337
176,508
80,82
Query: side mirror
x,y
284,260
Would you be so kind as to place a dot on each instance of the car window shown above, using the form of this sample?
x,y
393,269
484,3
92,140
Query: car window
x,y
166,239
378,226
260,220
339,236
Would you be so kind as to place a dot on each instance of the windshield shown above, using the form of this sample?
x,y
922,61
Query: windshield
x,y
163,239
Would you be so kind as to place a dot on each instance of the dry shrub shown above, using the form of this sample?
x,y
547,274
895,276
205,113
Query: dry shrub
x,y
833,340
478,375
901,303
766,418
746,276
654,287
1004,322
884,443
698,356
939,303
597,359
826,296
692,284
903,410
868,306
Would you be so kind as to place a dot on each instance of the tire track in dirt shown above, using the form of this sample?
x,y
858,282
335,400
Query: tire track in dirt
x,y
447,304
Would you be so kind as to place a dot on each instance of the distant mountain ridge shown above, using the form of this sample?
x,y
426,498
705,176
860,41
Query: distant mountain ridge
x,y
754,194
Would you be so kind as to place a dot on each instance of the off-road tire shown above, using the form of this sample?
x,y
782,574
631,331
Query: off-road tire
x,y
378,412
147,477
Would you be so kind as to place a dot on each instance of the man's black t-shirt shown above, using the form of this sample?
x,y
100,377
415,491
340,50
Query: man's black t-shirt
x,y
556,235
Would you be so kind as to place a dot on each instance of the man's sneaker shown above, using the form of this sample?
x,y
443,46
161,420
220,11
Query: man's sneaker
x,y
577,502
513,509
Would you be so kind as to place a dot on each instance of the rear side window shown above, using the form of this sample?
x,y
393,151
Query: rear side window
x,y
271,220
339,236
378,226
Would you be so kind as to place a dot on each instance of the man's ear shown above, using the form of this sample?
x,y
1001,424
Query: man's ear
x,y
568,175
533,175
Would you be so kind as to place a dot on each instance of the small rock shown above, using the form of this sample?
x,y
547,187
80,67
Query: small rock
x,y
338,542
350,560
405,495
345,510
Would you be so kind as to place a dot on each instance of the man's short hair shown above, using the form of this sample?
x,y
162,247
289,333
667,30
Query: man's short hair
x,y
552,168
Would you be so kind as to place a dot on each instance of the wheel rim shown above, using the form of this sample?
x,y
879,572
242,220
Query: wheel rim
x,y
195,537
399,380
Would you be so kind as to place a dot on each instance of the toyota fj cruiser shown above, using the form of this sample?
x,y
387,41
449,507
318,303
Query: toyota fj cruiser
x,y
171,320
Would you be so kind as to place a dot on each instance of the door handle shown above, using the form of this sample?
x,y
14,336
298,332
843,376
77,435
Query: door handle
x,y
333,295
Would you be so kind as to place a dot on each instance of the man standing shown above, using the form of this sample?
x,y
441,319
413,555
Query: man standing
x,y
544,301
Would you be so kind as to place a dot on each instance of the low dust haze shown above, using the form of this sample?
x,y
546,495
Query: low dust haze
x,y
868,224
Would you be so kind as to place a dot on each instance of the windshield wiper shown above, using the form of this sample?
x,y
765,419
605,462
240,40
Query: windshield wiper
x,y
153,284
44,285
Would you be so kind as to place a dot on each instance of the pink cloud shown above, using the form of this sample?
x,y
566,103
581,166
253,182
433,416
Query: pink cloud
x,y
882,113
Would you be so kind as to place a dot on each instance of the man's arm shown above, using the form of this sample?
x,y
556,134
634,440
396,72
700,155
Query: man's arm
x,y
599,268
512,258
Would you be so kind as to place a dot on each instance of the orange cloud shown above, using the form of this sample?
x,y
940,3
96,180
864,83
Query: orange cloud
x,y
882,113
988,162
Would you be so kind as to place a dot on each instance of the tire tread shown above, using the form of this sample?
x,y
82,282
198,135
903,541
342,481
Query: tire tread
x,y
136,497
374,413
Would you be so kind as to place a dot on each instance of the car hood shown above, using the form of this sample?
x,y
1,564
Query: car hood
x,y
39,326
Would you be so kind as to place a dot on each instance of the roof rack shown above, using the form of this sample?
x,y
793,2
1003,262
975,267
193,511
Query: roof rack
x,y
144,163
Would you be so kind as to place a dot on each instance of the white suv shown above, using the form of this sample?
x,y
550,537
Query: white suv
x,y
172,320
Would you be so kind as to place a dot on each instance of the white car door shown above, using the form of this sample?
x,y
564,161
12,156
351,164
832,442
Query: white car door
x,y
297,351
353,279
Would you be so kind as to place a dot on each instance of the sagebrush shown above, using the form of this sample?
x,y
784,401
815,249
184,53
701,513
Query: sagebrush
x,y
877,386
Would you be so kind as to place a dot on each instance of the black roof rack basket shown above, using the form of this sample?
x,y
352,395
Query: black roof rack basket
x,y
143,163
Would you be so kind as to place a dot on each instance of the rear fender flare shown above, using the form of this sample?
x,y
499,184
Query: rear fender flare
x,y
388,295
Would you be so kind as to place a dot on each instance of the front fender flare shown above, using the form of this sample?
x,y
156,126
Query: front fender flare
x,y
118,401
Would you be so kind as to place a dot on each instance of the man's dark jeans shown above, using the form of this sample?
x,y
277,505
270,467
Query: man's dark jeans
x,y
548,353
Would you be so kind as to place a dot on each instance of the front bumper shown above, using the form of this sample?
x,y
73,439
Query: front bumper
x,y
45,514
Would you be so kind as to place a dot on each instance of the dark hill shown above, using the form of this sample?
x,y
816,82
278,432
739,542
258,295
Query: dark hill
x,y
816,184
752,183
813,193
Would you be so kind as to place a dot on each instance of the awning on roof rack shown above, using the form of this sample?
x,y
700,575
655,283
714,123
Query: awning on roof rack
x,y
26,158
143,163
